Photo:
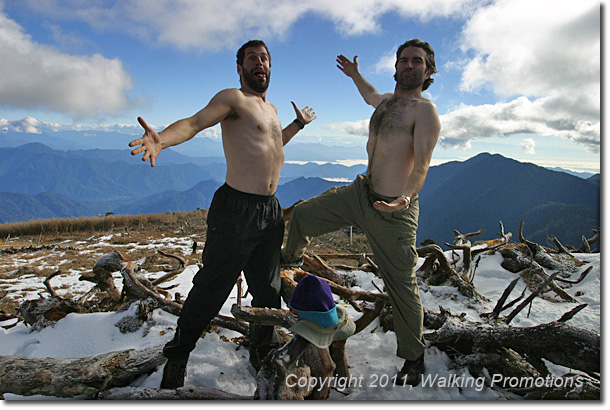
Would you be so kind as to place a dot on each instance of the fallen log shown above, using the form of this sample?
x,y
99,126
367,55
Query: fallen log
x,y
28,376
182,393
560,343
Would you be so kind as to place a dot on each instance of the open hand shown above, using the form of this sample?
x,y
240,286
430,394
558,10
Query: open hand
x,y
349,68
396,205
306,115
150,143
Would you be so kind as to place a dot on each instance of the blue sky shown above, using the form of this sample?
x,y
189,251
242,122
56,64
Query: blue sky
x,y
516,77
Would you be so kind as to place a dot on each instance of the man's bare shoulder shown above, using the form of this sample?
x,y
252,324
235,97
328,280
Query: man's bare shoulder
x,y
229,94
426,106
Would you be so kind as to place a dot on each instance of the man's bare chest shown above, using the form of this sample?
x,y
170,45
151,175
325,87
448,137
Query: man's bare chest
x,y
393,117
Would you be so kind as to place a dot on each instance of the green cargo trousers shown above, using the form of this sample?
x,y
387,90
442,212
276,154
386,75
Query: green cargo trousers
x,y
392,236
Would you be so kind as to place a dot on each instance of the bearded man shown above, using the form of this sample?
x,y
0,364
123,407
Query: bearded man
x,y
245,220
403,132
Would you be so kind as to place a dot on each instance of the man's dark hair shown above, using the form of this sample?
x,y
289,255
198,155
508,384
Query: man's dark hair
x,y
430,62
241,53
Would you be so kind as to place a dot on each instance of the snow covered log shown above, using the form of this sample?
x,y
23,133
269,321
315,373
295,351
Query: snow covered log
x,y
182,393
558,342
29,376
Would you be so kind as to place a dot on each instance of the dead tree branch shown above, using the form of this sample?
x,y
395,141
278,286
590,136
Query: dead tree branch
x,y
47,283
172,272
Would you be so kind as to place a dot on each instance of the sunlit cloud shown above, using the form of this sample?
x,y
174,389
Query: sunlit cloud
x,y
37,76
353,128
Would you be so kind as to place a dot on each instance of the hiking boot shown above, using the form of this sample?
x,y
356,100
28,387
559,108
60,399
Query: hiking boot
x,y
411,372
174,373
289,264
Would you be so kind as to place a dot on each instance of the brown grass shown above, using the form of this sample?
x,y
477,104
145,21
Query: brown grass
x,y
185,221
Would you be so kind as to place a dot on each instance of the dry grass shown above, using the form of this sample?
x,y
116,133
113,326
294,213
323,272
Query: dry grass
x,y
189,222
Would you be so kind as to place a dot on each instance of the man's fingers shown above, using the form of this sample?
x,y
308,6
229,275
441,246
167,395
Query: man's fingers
x,y
139,141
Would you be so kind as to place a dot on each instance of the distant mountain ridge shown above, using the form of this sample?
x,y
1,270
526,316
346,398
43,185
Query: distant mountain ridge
x,y
486,189
39,182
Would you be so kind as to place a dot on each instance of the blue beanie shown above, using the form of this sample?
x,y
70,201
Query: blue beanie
x,y
313,300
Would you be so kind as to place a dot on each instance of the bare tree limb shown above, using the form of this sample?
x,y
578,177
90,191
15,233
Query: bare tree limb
x,y
47,283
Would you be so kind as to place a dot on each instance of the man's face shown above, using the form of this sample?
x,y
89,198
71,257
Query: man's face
x,y
411,71
256,70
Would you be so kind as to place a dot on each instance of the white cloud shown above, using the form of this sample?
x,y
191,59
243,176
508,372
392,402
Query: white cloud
x,y
210,25
529,146
519,116
385,65
36,76
355,128
546,50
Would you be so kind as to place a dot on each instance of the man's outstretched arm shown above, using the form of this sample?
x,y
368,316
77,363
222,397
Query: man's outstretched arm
x,y
182,130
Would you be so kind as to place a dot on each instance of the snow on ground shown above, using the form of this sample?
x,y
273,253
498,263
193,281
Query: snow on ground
x,y
371,353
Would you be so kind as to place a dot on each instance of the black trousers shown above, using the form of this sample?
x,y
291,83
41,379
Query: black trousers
x,y
245,233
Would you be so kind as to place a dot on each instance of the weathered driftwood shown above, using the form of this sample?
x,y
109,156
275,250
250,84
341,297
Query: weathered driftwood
x,y
436,270
43,312
316,265
141,288
586,243
281,371
347,294
29,376
182,393
549,258
559,343
173,271
102,273
532,272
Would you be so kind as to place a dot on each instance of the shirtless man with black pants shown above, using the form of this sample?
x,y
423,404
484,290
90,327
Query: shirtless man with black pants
x,y
245,220
403,132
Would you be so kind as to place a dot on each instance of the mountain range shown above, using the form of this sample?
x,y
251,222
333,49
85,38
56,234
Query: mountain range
x,y
37,181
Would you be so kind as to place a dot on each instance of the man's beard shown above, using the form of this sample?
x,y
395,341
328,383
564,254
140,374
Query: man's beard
x,y
255,84
410,82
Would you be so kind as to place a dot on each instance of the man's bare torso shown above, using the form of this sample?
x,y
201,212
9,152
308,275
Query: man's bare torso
x,y
390,146
252,141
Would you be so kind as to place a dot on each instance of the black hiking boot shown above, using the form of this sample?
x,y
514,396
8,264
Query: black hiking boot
x,y
411,372
174,373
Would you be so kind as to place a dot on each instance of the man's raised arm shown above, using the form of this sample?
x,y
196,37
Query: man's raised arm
x,y
367,91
